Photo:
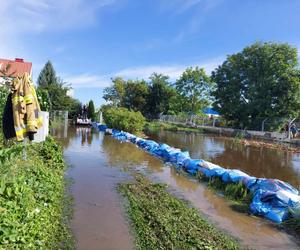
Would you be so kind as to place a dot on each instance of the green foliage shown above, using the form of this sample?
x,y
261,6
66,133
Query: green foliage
x,y
4,91
32,193
160,96
136,93
47,76
91,111
44,99
74,107
123,119
262,81
162,221
115,94
150,99
234,191
55,91
195,86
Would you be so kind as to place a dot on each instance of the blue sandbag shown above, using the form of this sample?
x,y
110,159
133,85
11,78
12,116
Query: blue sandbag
x,y
181,157
173,154
233,175
216,172
141,143
294,209
151,145
278,214
270,204
211,170
102,127
192,165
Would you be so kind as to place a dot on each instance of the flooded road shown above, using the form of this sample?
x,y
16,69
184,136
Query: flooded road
x,y
98,221
98,164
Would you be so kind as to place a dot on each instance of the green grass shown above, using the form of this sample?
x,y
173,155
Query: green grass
x,y
33,201
156,126
162,221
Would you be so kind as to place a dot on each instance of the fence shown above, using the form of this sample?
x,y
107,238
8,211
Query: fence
x,y
275,125
194,120
59,123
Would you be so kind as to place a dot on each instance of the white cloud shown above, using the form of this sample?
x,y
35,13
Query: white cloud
x,y
88,80
179,6
19,16
173,71
142,72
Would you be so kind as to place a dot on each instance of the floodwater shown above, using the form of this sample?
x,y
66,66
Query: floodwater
x,y
99,221
98,163
259,162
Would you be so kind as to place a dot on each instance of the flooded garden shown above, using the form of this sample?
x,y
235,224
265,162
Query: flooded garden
x,y
99,163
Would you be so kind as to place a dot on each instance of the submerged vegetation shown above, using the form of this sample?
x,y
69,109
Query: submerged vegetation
x,y
162,221
33,202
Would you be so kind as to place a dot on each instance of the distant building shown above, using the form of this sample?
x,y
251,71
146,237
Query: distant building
x,y
210,112
17,68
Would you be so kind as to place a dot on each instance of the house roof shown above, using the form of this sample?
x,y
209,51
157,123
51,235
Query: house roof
x,y
210,111
18,67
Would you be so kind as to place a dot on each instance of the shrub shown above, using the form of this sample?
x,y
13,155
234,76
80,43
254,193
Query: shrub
x,y
124,119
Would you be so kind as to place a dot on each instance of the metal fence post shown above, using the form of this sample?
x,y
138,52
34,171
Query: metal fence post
x,y
290,123
263,124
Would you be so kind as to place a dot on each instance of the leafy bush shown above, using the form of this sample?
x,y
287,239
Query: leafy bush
x,y
124,119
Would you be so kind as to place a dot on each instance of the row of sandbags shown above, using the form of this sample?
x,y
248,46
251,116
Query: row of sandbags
x,y
273,199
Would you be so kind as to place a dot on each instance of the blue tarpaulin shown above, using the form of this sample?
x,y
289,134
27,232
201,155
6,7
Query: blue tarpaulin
x,y
210,111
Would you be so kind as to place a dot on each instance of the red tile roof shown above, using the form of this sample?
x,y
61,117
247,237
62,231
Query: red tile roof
x,y
18,67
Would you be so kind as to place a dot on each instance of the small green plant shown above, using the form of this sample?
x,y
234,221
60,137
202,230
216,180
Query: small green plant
x,y
233,191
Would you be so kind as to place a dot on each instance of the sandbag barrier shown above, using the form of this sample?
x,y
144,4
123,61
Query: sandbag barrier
x,y
273,199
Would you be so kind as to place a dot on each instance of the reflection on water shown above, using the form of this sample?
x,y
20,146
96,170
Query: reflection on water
x,y
259,162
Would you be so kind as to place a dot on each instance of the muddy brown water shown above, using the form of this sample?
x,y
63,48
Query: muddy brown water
x,y
98,163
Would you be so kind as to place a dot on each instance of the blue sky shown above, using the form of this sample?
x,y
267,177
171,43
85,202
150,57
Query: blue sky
x,y
90,41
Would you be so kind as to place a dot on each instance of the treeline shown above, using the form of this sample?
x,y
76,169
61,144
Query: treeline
x,y
189,94
262,81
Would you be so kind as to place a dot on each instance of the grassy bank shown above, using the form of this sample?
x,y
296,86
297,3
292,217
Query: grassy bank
x,y
162,221
156,126
32,198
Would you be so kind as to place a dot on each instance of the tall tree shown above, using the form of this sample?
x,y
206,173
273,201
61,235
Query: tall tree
x,y
55,87
160,94
47,76
194,85
262,81
136,95
91,110
115,93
